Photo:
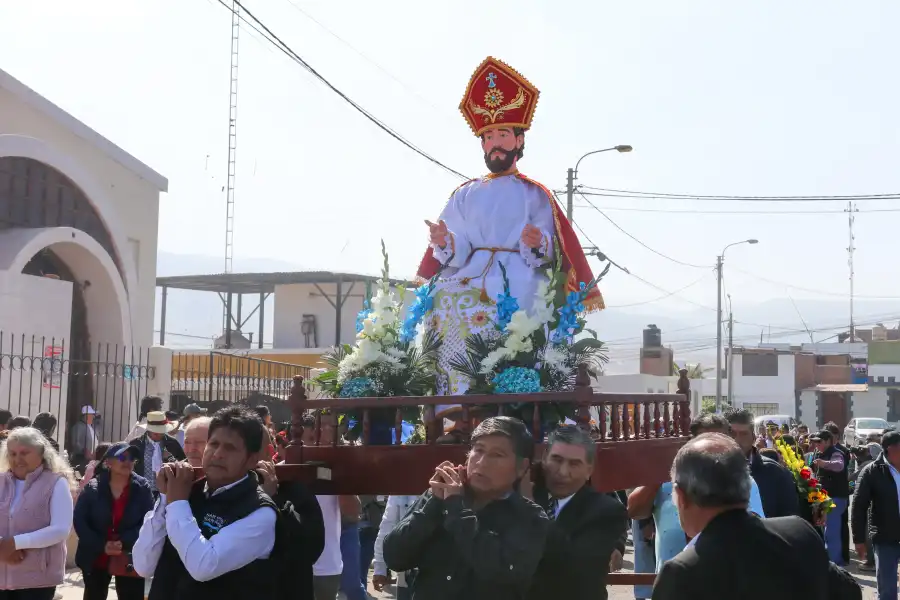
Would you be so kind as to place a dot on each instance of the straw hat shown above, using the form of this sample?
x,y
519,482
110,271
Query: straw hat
x,y
157,422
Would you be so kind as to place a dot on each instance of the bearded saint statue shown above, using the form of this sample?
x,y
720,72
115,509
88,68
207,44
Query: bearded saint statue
x,y
504,218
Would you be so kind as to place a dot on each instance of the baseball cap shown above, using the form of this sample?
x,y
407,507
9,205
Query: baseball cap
x,y
821,436
192,410
88,410
122,448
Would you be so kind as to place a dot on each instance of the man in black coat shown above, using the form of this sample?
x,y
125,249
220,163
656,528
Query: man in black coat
x,y
777,488
734,554
586,527
876,487
156,447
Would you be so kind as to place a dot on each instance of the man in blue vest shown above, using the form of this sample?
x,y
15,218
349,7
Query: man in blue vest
x,y
211,539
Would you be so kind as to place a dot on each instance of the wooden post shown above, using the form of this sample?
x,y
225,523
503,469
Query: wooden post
x,y
684,388
297,397
583,397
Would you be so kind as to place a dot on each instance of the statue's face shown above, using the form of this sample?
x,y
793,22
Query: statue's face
x,y
501,148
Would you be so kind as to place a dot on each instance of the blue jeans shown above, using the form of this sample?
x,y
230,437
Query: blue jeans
x,y
367,537
833,531
350,548
887,556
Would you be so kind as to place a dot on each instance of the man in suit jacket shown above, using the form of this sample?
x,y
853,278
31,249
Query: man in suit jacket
x,y
156,447
736,554
587,528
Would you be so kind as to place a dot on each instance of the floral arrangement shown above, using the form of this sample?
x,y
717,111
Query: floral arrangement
x,y
385,361
808,486
536,350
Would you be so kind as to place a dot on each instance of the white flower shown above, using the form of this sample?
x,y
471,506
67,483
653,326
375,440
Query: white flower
x,y
516,344
555,358
522,325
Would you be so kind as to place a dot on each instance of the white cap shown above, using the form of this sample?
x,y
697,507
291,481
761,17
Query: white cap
x,y
88,410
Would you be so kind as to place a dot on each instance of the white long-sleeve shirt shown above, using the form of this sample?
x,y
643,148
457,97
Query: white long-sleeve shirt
x,y
234,546
61,512
394,510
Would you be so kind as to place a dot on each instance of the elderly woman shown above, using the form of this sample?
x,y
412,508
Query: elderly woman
x,y
36,487
108,519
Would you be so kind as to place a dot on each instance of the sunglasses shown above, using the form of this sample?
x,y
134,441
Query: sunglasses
x,y
125,457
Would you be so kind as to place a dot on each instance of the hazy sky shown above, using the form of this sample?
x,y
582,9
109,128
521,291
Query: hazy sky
x,y
761,98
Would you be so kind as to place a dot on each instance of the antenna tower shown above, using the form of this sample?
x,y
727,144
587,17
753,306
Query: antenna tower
x,y
850,210
232,137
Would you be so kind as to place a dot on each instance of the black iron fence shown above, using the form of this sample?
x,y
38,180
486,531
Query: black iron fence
x,y
40,374
217,379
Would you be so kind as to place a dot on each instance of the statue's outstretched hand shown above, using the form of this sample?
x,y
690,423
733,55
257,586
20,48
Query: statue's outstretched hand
x,y
439,233
532,237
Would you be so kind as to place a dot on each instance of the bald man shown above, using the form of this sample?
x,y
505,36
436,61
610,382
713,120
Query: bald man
x,y
195,436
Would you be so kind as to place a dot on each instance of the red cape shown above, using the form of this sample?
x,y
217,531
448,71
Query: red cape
x,y
574,261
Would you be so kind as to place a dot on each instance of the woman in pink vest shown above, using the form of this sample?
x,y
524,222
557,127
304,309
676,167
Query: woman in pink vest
x,y
36,486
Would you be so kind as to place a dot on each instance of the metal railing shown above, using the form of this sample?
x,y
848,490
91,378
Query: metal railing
x,y
40,374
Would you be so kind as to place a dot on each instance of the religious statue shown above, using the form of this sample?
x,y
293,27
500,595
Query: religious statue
x,y
500,227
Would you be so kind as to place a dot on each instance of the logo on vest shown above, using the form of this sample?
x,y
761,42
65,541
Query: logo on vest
x,y
213,522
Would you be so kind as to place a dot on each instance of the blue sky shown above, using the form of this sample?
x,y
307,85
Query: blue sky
x,y
762,98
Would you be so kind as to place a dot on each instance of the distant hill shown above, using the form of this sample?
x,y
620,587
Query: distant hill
x,y
197,317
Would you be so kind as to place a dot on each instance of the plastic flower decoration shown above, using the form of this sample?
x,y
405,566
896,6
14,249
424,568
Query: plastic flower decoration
x,y
536,349
808,487
385,361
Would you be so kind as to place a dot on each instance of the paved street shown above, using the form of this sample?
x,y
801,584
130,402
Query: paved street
x,y
73,589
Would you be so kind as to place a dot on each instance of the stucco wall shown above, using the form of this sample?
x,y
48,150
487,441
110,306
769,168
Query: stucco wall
x,y
873,403
776,389
128,204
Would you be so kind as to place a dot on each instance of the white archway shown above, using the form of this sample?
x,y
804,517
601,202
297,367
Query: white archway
x,y
109,313
15,145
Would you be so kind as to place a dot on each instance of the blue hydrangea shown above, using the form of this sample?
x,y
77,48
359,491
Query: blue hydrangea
x,y
358,387
517,380
417,311
568,313
506,306
361,316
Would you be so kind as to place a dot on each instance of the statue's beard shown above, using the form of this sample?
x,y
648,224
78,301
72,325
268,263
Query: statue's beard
x,y
502,163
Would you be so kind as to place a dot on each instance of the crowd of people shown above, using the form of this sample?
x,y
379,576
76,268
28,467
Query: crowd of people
x,y
494,527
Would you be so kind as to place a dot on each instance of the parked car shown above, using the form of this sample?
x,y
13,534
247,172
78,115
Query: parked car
x,y
857,430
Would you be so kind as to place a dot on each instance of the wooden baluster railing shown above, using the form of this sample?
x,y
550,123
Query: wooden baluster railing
x,y
583,397
637,421
614,413
398,426
536,432
466,421
366,427
647,420
656,419
676,418
298,395
318,428
684,388
666,428
602,414
625,428
335,427
432,433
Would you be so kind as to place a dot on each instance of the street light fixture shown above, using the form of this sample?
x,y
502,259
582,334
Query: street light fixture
x,y
720,260
573,175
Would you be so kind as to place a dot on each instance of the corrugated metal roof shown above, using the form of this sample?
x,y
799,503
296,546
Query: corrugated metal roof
x,y
840,387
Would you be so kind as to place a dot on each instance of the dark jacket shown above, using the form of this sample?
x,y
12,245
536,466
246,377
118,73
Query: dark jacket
x,y
742,557
170,446
777,488
258,579
836,483
93,517
875,488
304,529
489,554
579,545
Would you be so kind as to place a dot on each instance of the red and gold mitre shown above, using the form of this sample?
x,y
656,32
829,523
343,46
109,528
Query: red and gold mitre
x,y
498,96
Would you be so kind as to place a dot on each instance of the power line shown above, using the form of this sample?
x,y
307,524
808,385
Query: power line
x,y
810,290
615,193
283,47
668,295
653,250
737,212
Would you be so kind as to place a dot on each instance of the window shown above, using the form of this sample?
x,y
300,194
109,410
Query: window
x,y
759,365
759,409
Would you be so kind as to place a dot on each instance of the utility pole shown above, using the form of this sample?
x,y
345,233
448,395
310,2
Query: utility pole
x,y
730,371
719,260
851,208
570,194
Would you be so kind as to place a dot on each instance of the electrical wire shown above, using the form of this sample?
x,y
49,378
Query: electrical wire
x,y
737,212
810,290
668,295
615,193
653,250
283,47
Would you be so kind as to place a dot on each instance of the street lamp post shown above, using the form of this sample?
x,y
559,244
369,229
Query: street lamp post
x,y
720,260
573,175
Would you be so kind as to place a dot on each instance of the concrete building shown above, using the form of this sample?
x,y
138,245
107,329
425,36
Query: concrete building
x,y
78,235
